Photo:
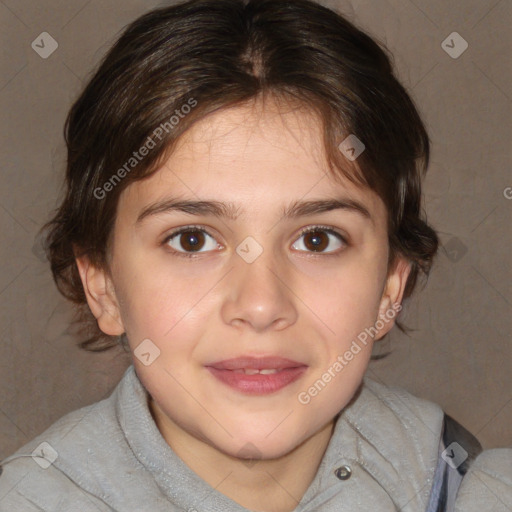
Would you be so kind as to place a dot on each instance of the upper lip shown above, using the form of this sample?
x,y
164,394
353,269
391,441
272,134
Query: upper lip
x,y
256,363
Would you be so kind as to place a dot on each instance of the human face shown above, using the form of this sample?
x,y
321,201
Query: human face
x,y
210,303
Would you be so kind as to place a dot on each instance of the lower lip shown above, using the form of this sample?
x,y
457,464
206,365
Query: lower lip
x,y
258,384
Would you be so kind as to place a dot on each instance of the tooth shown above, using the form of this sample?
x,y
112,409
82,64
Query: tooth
x,y
251,371
268,371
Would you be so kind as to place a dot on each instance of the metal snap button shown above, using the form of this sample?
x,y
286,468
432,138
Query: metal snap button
x,y
343,472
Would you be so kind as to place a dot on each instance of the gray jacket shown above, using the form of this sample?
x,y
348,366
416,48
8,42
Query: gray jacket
x,y
383,456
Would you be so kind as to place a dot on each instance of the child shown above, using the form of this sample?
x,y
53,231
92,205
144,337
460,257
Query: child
x,y
243,213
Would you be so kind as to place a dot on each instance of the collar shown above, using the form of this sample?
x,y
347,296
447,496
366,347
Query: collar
x,y
385,439
383,452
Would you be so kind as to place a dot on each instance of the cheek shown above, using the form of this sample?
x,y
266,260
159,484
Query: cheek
x,y
347,299
146,297
163,306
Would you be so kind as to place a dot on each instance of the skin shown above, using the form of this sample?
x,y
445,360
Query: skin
x,y
291,301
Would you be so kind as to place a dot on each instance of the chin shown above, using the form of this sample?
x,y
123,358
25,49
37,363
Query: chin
x,y
260,445
251,452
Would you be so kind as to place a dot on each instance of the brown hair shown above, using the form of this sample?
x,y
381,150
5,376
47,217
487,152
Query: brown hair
x,y
212,54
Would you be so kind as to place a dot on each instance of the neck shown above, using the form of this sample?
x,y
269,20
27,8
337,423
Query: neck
x,y
267,485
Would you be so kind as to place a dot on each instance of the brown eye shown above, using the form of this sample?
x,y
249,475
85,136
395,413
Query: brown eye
x,y
190,240
318,240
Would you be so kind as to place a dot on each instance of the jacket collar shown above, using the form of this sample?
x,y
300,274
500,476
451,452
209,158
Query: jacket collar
x,y
385,441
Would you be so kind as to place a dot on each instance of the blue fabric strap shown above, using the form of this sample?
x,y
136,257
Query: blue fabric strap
x,y
457,450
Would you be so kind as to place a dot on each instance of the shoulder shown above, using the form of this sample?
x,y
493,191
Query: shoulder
x,y
488,483
27,487
32,478
390,412
397,437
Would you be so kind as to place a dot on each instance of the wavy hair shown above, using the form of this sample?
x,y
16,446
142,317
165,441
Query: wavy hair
x,y
223,53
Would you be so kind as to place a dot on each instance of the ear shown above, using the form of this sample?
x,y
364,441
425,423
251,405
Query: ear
x,y
101,297
391,300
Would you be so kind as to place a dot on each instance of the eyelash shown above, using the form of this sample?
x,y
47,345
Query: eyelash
x,y
311,229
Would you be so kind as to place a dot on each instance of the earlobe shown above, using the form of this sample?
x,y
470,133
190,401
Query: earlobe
x,y
101,297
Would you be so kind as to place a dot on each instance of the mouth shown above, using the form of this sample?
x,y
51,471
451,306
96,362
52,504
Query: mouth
x,y
257,375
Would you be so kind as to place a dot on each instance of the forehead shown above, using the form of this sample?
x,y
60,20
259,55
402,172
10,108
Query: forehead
x,y
262,155
284,130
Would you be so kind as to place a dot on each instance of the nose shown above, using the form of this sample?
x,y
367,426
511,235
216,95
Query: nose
x,y
259,295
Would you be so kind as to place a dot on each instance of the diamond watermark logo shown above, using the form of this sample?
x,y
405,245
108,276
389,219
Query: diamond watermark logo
x,y
250,455
455,250
454,455
146,352
454,45
44,45
45,455
351,147
249,250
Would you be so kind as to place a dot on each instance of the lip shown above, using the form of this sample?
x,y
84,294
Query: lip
x,y
230,372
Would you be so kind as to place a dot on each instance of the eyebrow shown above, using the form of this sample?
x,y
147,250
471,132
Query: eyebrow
x,y
231,211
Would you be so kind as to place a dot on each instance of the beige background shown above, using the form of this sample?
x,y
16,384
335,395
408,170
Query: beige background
x,y
460,354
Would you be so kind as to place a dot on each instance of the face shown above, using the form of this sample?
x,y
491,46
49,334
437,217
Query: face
x,y
249,272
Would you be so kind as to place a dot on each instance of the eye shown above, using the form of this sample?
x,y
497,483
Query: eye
x,y
190,240
318,239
